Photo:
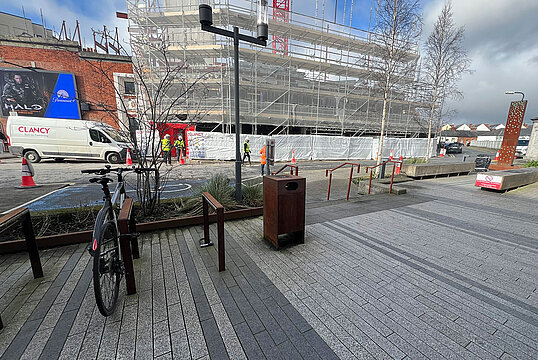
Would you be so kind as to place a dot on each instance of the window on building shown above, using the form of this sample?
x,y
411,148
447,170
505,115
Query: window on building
x,y
129,87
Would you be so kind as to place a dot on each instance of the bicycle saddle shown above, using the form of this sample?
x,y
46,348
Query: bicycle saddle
x,y
101,180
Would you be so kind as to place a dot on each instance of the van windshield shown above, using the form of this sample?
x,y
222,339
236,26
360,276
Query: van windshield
x,y
115,135
523,143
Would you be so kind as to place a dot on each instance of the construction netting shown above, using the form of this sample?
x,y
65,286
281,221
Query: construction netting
x,y
219,146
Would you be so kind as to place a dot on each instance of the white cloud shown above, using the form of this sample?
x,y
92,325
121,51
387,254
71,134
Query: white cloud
x,y
500,39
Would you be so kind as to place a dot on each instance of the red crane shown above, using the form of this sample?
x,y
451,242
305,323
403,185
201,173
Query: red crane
x,y
281,12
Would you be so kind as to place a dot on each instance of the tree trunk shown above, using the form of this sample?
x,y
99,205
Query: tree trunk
x,y
387,85
432,112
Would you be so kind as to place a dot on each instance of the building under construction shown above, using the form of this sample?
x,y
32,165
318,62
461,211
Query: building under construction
x,y
314,77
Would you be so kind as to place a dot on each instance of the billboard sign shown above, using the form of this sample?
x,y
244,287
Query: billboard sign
x,y
39,93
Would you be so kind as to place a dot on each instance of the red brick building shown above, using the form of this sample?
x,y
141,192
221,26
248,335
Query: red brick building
x,y
97,76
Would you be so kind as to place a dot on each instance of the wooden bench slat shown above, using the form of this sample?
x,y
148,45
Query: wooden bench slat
x,y
6,220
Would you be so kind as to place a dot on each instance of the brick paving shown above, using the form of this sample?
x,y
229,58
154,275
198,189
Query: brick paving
x,y
445,271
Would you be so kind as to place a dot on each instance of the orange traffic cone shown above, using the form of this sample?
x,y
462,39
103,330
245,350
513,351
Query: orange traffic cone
x,y
293,156
391,157
181,160
497,156
128,160
27,175
399,165
442,153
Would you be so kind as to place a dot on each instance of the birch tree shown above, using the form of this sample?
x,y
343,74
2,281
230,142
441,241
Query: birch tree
x,y
445,62
396,36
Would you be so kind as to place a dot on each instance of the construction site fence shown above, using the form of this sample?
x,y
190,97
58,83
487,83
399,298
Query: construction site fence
x,y
490,144
219,146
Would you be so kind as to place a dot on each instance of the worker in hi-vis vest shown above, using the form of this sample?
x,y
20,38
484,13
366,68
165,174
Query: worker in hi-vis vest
x,y
246,152
263,151
179,144
166,147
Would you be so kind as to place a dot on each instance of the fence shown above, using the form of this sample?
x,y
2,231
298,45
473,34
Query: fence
x,y
219,146
490,144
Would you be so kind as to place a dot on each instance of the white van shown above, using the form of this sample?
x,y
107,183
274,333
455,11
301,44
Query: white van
x,y
40,138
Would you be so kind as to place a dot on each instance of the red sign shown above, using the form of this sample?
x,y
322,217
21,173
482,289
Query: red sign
x,y
33,130
488,181
511,132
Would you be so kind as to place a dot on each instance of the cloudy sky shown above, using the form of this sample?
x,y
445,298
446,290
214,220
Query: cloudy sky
x,y
500,39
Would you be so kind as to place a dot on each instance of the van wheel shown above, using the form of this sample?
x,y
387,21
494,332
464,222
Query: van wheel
x,y
59,159
113,158
32,156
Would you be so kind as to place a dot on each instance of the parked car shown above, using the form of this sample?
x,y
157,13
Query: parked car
x,y
456,148
521,148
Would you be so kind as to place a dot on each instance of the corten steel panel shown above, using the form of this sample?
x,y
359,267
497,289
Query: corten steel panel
x,y
511,132
283,208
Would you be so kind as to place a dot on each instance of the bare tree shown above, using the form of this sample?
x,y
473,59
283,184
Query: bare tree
x,y
445,62
165,92
396,34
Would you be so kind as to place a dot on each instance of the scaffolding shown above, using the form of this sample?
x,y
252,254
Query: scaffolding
x,y
317,77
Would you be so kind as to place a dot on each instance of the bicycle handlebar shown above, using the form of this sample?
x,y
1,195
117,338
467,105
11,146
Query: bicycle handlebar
x,y
108,170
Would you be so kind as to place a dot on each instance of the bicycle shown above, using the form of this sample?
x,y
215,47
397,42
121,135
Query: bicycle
x,y
108,266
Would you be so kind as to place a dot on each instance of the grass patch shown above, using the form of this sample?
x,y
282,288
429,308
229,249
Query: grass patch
x,y
415,161
531,163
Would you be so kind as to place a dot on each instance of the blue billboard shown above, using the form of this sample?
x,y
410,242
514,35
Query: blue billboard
x,y
39,93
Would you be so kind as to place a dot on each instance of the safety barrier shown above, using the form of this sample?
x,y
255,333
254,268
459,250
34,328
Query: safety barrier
x,y
383,169
329,172
22,215
291,169
209,200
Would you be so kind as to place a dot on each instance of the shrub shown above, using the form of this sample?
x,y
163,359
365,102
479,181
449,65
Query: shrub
x,y
531,163
219,187
253,195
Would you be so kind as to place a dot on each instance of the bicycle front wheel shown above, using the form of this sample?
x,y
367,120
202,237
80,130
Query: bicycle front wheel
x,y
106,268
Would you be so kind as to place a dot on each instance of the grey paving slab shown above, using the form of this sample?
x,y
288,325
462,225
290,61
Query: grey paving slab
x,y
378,277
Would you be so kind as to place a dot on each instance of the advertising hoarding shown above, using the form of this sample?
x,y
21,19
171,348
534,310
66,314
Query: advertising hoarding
x,y
39,93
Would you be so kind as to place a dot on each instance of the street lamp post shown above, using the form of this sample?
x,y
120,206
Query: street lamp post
x,y
516,92
206,20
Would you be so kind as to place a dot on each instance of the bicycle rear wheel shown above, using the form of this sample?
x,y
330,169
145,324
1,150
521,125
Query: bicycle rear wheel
x,y
106,268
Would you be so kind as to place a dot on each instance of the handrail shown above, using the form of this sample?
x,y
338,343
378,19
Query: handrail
x,y
291,169
330,171
209,200
383,163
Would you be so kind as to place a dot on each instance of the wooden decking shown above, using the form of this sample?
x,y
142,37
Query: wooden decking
x,y
418,277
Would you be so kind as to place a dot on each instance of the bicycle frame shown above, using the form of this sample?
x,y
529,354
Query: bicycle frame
x,y
108,208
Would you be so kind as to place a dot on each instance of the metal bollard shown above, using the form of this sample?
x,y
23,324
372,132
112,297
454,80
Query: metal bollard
x,y
382,171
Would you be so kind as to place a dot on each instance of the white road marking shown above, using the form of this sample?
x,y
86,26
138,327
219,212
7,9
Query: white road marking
x,y
37,198
187,187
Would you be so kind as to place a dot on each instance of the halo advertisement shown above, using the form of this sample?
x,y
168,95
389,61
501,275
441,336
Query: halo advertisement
x,y
38,93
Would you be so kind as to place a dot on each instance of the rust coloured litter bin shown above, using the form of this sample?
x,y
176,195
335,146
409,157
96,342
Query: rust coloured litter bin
x,y
283,207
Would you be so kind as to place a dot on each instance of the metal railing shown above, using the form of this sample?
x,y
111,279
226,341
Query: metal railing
x,y
383,169
291,169
209,200
329,172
